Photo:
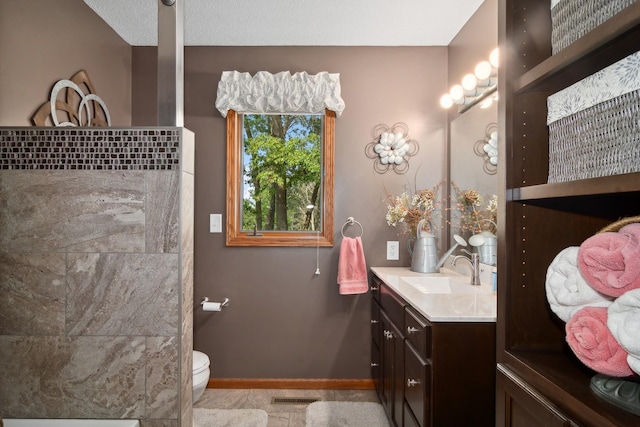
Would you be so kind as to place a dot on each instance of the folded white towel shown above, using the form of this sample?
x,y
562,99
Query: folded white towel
x,y
624,323
567,291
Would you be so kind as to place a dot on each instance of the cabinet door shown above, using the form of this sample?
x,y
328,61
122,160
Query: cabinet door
x,y
417,386
525,407
386,363
392,377
398,374
376,330
376,368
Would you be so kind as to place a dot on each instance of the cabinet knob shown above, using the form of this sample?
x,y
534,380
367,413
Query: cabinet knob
x,y
374,365
412,382
411,329
388,334
374,288
373,322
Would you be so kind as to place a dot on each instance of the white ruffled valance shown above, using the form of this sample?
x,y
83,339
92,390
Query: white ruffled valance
x,y
266,93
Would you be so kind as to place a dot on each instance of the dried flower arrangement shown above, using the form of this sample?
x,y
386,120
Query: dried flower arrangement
x,y
409,208
473,213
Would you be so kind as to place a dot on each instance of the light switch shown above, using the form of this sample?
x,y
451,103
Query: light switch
x,y
215,223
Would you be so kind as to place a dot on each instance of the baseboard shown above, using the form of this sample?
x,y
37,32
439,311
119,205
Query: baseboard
x,y
278,383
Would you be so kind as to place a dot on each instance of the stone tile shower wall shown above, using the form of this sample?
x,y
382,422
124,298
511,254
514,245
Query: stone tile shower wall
x,y
96,273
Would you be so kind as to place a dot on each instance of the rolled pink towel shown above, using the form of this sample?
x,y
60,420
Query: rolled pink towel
x,y
610,261
592,342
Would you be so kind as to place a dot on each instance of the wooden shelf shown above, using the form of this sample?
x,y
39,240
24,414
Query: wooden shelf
x,y
615,39
538,220
564,379
627,183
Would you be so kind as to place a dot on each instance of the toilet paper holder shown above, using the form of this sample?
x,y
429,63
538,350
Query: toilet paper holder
x,y
224,303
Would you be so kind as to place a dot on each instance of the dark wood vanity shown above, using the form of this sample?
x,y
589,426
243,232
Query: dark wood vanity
x,y
539,381
431,373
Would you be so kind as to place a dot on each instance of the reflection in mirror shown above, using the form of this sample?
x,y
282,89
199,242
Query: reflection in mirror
x,y
467,170
475,87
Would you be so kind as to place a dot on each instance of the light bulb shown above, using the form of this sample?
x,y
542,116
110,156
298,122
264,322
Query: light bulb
x,y
457,93
446,101
483,70
494,59
469,82
486,103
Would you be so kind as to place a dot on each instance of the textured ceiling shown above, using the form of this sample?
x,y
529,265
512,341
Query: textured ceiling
x,y
295,22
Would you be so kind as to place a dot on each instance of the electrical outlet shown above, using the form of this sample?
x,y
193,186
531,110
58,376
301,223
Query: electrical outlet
x,y
393,250
215,223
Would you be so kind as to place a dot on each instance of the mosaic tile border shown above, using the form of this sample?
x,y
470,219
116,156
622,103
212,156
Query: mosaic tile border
x,y
90,148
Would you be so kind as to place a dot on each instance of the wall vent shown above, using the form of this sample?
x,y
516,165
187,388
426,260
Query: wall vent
x,y
293,400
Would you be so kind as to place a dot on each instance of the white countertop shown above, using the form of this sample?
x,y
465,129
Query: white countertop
x,y
459,303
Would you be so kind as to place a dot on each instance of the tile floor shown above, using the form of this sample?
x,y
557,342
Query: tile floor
x,y
280,415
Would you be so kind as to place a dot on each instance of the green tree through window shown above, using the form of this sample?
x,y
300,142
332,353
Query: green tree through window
x,y
282,172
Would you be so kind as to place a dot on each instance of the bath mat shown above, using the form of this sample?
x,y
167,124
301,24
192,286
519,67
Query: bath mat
x,y
203,417
346,414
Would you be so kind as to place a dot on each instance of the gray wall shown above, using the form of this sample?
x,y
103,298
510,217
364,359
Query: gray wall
x,y
43,41
284,322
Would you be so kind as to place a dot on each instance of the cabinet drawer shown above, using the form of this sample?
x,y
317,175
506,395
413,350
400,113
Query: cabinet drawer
x,y
418,331
376,284
393,306
417,385
375,323
525,406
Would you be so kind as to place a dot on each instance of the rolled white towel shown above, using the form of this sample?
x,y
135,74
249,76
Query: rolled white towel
x,y
624,323
634,363
567,291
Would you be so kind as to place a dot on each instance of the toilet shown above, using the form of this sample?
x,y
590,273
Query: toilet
x,y
201,374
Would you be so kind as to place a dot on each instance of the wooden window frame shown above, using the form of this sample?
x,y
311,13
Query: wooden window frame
x,y
234,234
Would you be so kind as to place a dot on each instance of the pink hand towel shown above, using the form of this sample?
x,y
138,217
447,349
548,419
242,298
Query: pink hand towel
x,y
352,268
610,261
592,342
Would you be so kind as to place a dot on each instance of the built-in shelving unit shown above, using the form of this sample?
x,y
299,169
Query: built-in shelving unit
x,y
540,381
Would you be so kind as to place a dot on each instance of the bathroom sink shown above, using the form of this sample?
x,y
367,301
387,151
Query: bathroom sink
x,y
439,284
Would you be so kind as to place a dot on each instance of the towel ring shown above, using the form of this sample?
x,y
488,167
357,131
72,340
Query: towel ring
x,y
351,221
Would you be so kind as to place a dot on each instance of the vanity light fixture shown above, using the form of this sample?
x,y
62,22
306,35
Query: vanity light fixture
x,y
474,87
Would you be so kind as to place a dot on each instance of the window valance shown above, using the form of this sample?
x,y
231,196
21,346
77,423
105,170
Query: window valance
x,y
287,93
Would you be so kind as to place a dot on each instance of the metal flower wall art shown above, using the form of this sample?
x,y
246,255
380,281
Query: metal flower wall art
x,y
487,148
391,148
73,102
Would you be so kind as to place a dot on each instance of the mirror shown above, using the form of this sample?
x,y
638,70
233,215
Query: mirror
x,y
466,167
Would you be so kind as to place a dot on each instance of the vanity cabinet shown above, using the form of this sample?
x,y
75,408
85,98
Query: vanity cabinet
x,y
540,381
430,374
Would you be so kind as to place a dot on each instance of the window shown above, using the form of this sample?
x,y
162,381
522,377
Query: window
x,y
280,179
272,202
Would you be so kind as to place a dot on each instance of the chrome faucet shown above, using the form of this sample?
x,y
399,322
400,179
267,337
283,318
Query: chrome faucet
x,y
474,264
